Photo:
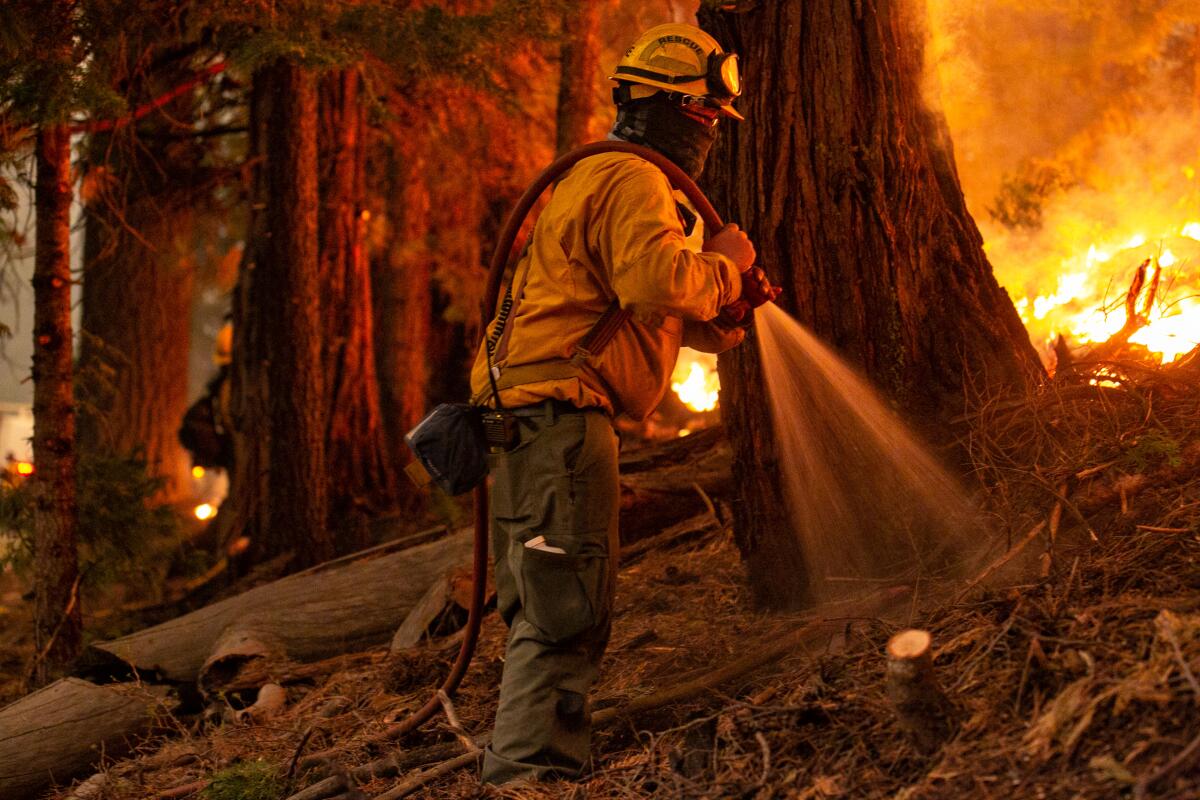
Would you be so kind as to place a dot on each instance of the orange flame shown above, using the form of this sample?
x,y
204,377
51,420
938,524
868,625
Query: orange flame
x,y
695,380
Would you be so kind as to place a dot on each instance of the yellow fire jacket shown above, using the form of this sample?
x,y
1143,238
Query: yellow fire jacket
x,y
612,230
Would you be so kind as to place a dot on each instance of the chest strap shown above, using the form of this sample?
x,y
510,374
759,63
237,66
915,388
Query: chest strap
x,y
590,346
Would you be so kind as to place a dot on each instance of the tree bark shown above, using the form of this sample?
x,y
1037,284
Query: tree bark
x,y
63,730
361,478
579,57
846,182
245,510
403,280
57,618
137,300
290,291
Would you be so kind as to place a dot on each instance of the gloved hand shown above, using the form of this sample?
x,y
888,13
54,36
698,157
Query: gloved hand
x,y
757,288
734,244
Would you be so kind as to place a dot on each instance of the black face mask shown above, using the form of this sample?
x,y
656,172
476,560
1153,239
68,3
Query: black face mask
x,y
661,125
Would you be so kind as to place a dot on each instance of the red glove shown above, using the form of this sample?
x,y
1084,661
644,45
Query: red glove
x,y
756,290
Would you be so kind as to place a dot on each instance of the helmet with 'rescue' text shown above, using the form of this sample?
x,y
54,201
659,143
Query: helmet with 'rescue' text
x,y
679,59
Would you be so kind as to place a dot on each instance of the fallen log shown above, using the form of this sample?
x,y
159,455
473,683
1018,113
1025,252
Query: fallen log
x,y
301,618
57,733
926,715
663,483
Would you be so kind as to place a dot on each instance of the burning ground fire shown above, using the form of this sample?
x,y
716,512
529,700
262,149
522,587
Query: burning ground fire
x,y
1088,302
1075,134
695,380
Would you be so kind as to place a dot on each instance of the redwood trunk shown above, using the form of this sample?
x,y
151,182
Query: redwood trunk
x,y
291,327
846,182
579,61
57,618
403,279
137,299
249,489
361,477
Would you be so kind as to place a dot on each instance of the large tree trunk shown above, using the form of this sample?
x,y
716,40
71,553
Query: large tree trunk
x,y
361,476
579,60
137,298
291,327
846,182
57,618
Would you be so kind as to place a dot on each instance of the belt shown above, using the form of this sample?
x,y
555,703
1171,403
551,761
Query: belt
x,y
550,408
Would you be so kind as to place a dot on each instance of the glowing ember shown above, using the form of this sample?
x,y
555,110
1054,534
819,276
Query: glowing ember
x,y
205,511
695,381
24,468
197,472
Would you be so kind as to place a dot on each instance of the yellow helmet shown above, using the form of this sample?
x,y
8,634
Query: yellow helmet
x,y
683,59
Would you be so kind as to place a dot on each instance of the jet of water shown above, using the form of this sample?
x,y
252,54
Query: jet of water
x,y
866,499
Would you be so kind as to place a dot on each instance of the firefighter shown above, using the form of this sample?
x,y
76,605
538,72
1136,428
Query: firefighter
x,y
613,230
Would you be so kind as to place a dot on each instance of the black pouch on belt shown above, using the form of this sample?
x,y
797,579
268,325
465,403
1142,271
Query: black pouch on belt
x,y
450,448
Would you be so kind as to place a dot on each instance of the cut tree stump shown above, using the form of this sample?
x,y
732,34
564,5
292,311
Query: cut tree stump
x,y
58,733
926,715
301,618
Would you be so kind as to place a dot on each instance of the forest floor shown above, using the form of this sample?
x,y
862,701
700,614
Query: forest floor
x,y
1072,663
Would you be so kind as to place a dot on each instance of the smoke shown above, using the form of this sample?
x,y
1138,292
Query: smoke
x,y
1075,129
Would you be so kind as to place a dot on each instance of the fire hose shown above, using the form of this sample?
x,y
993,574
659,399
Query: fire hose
x,y
501,257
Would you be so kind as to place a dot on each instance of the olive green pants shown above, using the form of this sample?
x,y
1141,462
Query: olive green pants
x,y
554,536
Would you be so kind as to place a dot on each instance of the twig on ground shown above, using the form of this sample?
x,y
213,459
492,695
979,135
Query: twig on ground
x,y
291,772
454,724
323,789
1012,553
407,787
185,790
1183,759
766,757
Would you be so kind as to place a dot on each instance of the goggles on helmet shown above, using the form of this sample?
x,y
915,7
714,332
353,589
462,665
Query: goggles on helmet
x,y
723,77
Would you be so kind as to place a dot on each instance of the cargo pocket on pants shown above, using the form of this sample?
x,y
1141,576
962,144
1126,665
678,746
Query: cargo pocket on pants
x,y
561,594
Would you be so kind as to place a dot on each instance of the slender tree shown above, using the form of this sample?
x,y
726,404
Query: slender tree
x,y
249,489
289,288
137,296
361,479
845,179
57,618
403,279
579,60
